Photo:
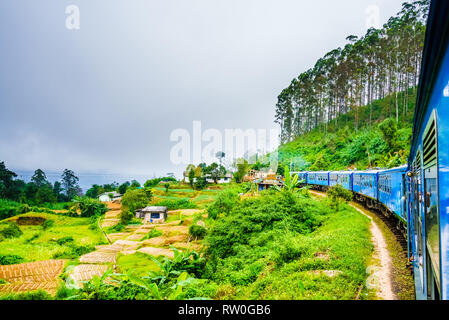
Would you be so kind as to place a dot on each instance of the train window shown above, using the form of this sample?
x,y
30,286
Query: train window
x,y
432,224
389,185
416,211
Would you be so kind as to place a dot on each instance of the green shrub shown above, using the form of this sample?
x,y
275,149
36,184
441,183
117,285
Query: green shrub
x,y
90,207
117,228
34,295
73,251
32,238
9,230
9,259
126,216
48,224
224,203
239,244
197,231
176,204
339,194
65,240
154,233
135,199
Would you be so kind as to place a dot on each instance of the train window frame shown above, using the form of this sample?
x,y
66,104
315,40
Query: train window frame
x,y
416,208
430,171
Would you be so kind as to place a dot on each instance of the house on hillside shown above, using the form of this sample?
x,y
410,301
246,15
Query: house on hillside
x,y
152,214
269,181
109,196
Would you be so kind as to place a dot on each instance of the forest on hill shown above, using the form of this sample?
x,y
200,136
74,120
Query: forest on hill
x,y
334,111
384,143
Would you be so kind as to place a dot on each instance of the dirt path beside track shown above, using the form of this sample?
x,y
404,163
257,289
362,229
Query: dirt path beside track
x,y
380,277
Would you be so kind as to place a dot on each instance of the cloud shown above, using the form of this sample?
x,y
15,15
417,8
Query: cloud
x,y
107,96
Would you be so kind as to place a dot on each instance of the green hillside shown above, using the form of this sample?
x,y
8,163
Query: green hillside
x,y
382,143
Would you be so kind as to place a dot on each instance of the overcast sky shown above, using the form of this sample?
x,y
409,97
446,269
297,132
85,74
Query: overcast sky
x,y
106,97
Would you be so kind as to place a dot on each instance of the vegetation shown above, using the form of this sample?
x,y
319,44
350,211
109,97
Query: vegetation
x,y
291,182
275,246
67,237
176,204
279,245
97,190
338,194
385,144
384,62
89,207
224,204
39,190
135,199
9,230
197,232
10,259
242,169
214,171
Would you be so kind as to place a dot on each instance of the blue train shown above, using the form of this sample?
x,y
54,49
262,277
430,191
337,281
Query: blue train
x,y
417,194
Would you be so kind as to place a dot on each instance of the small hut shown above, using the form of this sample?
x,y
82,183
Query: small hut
x,y
270,181
152,214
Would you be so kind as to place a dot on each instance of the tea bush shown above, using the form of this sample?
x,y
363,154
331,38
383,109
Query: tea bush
x,y
9,230
10,259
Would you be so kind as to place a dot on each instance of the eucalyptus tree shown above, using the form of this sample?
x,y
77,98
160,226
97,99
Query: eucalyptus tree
x,y
383,62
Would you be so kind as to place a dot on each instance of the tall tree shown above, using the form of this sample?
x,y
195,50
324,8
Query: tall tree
x,y
39,178
70,184
383,62
6,181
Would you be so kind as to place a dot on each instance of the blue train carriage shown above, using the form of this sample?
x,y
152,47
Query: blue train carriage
x,y
392,193
318,178
429,163
302,176
343,178
364,184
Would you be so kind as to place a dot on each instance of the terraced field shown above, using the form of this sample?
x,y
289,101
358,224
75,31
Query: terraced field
x,y
41,275
127,250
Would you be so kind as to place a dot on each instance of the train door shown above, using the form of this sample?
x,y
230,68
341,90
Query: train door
x,y
431,212
418,242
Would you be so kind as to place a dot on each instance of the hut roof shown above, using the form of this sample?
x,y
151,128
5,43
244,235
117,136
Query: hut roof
x,y
153,209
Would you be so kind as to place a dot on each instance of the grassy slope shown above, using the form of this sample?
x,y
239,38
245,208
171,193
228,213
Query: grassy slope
x,y
37,244
293,266
342,244
345,147
200,198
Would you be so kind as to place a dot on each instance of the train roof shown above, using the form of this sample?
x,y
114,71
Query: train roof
x,y
399,169
318,171
342,172
435,46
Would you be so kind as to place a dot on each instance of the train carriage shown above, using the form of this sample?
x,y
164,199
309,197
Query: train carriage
x,y
302,177
429,163
319,178
391,191
365,183
343,178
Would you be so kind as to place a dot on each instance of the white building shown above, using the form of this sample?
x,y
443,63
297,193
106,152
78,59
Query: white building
x,y
152,214
109,196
